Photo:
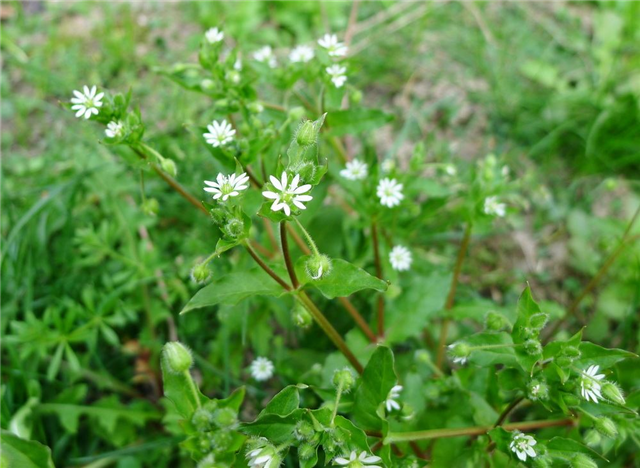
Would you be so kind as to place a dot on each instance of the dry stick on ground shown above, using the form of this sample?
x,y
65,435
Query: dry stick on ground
x,y
451,296
573,308
376,255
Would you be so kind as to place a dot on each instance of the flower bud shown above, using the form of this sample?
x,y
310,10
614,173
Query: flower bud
x,y
318,266
459,350
296,113
495,321
221,440
563,361
538,321
307,134
345,378
613,393
537,390
304,431
200,273
255,107
225,418
306,451
305,169
169,167
177,357
571,352
532,347
234,228
201,419
150,206
606,427
355,96
207,84
541,462
217,215
592,438
580,460
422,355
233,76
301,317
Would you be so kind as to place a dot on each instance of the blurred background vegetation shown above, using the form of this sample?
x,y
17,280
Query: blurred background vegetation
x,y
91,285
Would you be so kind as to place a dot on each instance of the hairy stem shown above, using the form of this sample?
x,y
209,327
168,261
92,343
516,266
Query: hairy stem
x,y
360,321
287,257
476,430
266,268
337,403
442,343
376,255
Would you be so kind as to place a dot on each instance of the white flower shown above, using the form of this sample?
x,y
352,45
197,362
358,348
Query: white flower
x,y
263,457
227,186
288,193
388,165
390,192
261,369
114,129
450,169
220,133
334,48
522,445
462,357
358,461
590,384
400,258
301,53
337,74
265,55
214,35
492,207
391,402
355,170
87,102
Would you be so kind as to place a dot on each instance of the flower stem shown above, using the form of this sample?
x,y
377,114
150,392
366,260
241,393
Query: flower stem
x,y
505,414
442,343
376,255
331,332
476,430
337,403
360,321
310,241
265,267
287,255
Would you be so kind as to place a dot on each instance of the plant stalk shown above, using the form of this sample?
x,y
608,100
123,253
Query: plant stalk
x,y
378,262
287,256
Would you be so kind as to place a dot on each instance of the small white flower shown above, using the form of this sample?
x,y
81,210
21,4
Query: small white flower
x,y
114,129
590,384
263,457
227,186
391,402
301,54
220,133
261,369
522,445
493,207
214,35
337,74
358,461
390,192
87,102
355,170
450,169
462,360
334,48
265,55
400,258
288,194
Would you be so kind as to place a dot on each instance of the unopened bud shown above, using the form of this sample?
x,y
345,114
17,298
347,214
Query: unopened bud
x,y
606,427
541,462
538,321
563,361
318,266
150,206
304,431
355,96
572,352
580,460
301,316
234,228
177,357
306,451
592,438
169,167
495,321
537,390
255,107
305,169
221,440
200,273
307,134
207,84
533,347
225,418
344,377
613,393
459,350
201,419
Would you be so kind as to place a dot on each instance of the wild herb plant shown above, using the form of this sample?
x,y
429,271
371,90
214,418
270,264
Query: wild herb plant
x,y
347,321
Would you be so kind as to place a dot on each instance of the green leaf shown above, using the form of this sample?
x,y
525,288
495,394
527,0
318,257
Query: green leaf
x,y
182,391
351,121
278,429
527,308
593,354
566,448
284,402
343,280
491,356
21,453
376,381
502,438
234,287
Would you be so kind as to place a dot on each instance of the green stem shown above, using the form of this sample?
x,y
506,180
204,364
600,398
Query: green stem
x,y
287,256
310,241
192,387
338,395
394,437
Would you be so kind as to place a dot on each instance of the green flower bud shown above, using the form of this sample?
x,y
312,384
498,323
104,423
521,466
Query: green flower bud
x,y
431,391
580,460
218,215
459,351
306,451
422,355
538,321
211,406
606,427
296,113
301,317
201,419
225,418
592,438
305,169
169,167
221,440
209,462
200,273
613,393
307,134
407,412
355,96
318,266
571,400
222,103
255,107
563,361
532,347
304,431
207,84
150,206
495,321
571,352
234,228
345,378
177,357
233,76
537,390
541,462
